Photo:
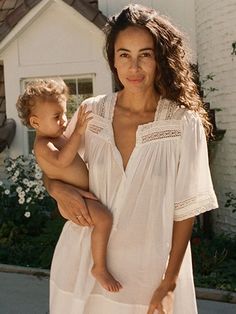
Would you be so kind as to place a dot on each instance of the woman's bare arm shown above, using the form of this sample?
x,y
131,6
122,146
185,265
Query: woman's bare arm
x,y
70,200
162,298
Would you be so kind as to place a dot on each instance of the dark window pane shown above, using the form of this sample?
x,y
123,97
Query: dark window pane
x,y
31,137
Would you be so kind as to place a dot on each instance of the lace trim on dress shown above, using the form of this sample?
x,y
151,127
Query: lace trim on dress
x,y
160,135
195,205
95,128
101,107
169,110
104,107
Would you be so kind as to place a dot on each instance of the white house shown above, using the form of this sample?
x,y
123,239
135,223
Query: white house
x,y
48,38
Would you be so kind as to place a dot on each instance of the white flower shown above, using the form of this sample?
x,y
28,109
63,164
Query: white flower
x,y
27,214
18,189
43,189
25,181
17,172
14,179
21,194
37,190
28,199
1,183
21,200
37,168
40,183
38,175
30,184
27,190
7,192
8,169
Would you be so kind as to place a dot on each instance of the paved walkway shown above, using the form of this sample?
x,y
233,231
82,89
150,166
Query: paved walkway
x,y
27,294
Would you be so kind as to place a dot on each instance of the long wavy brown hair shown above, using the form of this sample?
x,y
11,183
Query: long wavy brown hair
x,y
174,78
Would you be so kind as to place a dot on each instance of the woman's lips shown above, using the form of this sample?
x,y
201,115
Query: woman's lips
x,y
135,79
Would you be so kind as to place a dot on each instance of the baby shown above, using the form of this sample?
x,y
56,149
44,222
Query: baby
x,y
43,107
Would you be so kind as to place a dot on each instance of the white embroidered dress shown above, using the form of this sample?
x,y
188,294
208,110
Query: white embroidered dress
x,y
167,178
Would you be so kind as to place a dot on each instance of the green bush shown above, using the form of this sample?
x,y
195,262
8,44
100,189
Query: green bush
x,y
29,223
214,260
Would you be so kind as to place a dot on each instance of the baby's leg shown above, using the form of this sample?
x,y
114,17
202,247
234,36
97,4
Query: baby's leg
x,y
102,219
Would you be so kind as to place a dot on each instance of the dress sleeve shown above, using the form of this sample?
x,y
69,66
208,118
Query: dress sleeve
x,y
194,193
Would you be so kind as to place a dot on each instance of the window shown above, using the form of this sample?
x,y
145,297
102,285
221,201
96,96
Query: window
x,y
80,88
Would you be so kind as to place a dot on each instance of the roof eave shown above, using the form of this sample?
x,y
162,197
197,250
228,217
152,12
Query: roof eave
x,y
30,8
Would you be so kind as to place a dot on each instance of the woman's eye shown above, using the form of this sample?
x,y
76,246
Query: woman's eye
x,y
146,54
124,55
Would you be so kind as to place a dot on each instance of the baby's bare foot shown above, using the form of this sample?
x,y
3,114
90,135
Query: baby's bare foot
x,y
107,281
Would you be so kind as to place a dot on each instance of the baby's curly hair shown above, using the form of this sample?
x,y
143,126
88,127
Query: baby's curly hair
x,y
174,77
40,90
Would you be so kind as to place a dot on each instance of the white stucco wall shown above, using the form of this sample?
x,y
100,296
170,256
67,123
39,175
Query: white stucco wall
x,y
180,12
58,41
216,31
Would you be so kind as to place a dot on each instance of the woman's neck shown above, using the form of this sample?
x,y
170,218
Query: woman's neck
x,y
138,102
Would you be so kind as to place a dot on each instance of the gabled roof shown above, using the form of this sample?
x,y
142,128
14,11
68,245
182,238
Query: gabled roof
x,y
12,11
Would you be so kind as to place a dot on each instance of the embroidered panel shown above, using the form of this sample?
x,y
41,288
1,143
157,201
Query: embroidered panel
x,y
194,206
170,110
95,128
160,135
200,199
101,107
185,203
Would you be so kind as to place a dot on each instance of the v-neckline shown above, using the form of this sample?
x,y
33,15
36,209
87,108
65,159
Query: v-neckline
x,y
117,151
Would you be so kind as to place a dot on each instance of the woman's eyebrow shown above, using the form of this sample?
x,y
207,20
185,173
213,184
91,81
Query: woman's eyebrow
x,y
124,49
148,48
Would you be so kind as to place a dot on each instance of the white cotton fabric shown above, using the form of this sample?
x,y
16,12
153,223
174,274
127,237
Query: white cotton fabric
x,y
167,178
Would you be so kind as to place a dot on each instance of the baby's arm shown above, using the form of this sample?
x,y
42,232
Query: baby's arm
x,y
62,158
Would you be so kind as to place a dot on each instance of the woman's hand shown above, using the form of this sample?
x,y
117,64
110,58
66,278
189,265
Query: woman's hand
x,y
162,299
71,201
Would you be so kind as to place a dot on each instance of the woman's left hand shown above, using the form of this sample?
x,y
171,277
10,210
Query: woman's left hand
x,y
162,299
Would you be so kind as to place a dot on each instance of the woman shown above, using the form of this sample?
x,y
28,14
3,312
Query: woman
x,y
147,156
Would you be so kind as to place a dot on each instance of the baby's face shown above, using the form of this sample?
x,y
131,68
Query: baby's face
x,y
52,118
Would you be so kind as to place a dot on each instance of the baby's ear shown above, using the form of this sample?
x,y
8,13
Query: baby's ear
x,y
34,122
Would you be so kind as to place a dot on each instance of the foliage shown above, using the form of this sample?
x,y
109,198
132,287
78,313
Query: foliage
x,y
208,89
73,103
214,260
231,201
29,226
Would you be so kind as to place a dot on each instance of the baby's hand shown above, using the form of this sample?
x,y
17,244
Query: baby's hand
x,y
82,119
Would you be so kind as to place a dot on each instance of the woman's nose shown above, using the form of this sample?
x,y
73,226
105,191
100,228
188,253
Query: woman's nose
x,y
134,64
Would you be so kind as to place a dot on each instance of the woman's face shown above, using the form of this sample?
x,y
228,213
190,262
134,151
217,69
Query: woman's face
x,y
135,59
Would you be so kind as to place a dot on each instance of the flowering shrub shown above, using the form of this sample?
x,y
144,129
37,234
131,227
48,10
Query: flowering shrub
x,y
26,212
24,181
214,259
231,201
